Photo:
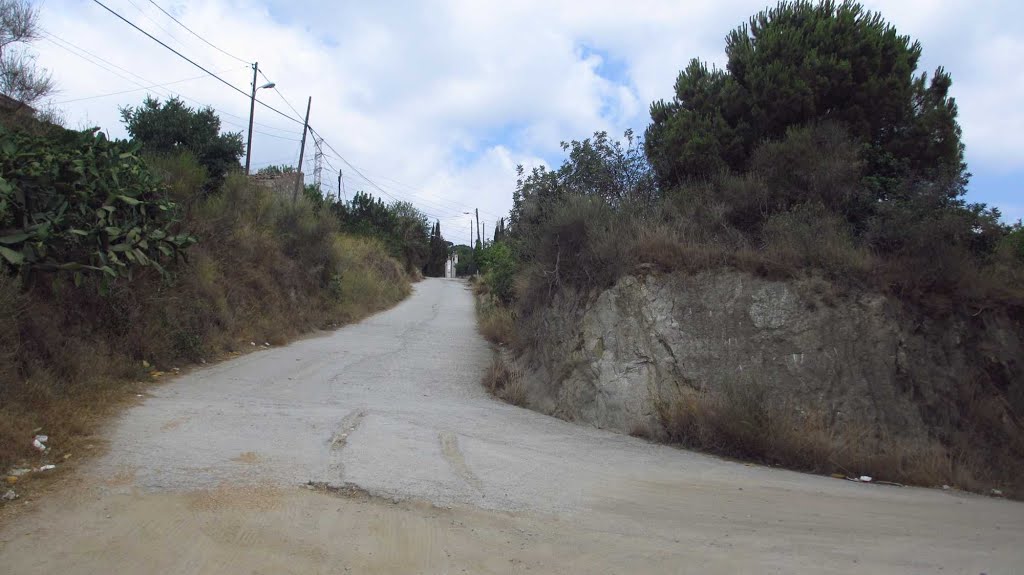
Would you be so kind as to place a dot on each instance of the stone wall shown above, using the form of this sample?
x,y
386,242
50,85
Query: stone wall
x,y
283,185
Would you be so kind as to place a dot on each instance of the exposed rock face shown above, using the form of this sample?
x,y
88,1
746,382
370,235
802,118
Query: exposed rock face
x,y
609,358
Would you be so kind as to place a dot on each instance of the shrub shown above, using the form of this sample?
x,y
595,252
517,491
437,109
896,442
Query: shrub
x,y
82,204
181,175
495,320
499,268
816,164
505,382
811,237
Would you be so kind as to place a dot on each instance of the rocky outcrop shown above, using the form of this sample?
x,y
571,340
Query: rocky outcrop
x,y
608,358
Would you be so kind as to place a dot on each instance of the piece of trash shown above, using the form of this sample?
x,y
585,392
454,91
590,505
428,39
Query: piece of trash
x,y
10,495
19,471
864,478
252,343
175,370
997,492
145,364
40,442
67,456
47,467
138,395
157,373
945,488
202,361
266,344
12,479
838,476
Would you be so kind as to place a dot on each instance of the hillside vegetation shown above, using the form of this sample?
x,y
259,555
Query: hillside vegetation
x,y
123,261
821,152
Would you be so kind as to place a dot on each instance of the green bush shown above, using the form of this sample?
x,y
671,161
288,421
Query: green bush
x,y
81,203
172,127
499,268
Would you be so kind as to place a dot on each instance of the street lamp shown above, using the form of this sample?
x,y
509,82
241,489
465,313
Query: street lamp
x,y
252,110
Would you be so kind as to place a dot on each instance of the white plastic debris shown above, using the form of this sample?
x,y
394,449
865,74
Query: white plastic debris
x,y
47,467
865,478
945,488
997,492
10,495
40,442
19,471
252,343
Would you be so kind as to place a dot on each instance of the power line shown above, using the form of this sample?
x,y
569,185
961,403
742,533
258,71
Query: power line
x,y
297,113
453,207
75,49
157,24
440,201
197,35
363,176
180,55
193,62
384,191
165,84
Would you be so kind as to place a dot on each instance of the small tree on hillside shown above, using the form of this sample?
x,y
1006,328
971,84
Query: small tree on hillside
x,y
172,127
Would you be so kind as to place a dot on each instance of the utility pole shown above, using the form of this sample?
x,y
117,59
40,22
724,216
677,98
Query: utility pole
x,y
302,150
339,186
483,244
252,110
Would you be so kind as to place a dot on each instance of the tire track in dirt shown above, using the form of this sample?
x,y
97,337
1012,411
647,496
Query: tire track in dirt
x,y
453,454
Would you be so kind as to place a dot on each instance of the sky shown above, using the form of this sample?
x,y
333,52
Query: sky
x,y
437,102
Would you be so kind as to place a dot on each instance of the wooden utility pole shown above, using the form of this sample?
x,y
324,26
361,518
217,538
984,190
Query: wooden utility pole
x,y
252,110
339,186
302,150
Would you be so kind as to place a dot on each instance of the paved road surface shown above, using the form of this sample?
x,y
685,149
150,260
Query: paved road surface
x,y
206,476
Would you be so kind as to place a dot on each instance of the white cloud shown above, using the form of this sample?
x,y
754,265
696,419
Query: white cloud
x,y
449,96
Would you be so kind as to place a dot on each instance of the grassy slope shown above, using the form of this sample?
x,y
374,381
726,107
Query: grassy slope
x,y
264,270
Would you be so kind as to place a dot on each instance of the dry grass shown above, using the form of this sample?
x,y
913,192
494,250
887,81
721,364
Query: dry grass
x,y
264,270
496,322
505,382
742,422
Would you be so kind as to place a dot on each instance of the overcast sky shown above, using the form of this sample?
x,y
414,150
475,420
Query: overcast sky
x,y
437,102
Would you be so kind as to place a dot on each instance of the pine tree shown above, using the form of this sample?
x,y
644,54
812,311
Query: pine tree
x,y
803,63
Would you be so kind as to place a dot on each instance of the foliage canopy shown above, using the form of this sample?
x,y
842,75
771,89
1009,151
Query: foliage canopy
x,y
171,127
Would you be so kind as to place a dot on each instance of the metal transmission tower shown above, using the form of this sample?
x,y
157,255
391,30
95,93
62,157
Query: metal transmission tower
x,y
318,162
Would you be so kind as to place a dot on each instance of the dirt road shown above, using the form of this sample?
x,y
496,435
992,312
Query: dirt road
x,y
419,471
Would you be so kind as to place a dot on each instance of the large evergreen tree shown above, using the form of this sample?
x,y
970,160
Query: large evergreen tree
x,y
803,63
